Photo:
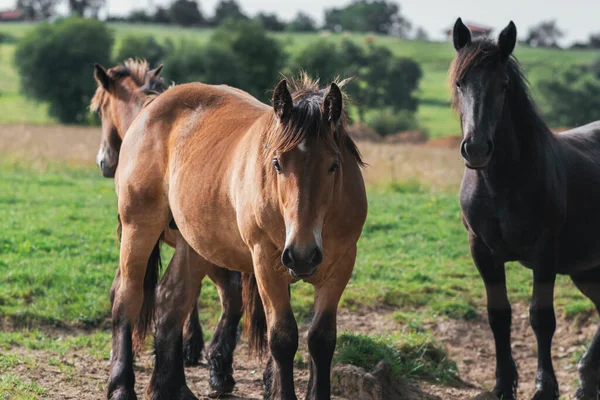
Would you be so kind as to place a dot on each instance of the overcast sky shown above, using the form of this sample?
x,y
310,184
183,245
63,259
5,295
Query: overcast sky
x,y
577,18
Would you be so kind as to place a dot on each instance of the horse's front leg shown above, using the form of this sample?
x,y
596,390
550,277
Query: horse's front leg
x,y
282,332
543,321
323,330
492,272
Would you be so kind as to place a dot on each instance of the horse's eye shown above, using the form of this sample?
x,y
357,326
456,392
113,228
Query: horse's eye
x,y
457,83
334,167
504,85
276,165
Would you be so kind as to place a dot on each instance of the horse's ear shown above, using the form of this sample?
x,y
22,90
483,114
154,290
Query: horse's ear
x,y
507,40
461,35
282,101
333,104
101,76
156,71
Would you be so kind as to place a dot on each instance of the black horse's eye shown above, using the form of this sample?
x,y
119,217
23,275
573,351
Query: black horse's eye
x,y
505,85
334,167
276,165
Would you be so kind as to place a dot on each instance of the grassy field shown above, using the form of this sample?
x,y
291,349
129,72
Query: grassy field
x,y
59,254
434,111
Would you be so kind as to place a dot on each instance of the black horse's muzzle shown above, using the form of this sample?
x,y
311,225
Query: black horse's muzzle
x,y
477,154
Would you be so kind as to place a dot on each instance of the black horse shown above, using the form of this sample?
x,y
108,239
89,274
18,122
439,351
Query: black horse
x,y
527,195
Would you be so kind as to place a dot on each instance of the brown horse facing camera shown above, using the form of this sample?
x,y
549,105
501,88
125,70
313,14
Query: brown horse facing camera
x,y
274,192
123,91
527,195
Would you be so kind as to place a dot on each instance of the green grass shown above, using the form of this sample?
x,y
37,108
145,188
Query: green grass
x,y
13,387
59,254
434,112
412,355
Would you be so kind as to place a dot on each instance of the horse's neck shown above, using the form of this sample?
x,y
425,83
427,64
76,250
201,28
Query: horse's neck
x,y
523,145
130,115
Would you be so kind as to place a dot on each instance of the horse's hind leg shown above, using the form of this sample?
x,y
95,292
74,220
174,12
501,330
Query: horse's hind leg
x,y
193,338
220,350
589,365
175,296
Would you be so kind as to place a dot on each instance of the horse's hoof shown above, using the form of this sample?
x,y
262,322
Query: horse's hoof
x,y
122,394
216,394
545,395
220,385
192,353
502,395
583,394
182,394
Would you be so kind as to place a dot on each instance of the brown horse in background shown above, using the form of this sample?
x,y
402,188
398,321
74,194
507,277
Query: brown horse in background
x,y
123,91
276,192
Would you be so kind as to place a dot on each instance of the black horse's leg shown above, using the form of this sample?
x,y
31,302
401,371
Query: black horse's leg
x,y
193,338
220,350
589,365
543,322
175,296
492,272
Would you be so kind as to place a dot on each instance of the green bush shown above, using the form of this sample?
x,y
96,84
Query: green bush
x,y
55,62
259,58
387,122
145,47
571,98
184,62
380,79
7,38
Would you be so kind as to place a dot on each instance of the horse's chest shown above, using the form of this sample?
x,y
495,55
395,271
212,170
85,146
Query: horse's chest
x,y
507,227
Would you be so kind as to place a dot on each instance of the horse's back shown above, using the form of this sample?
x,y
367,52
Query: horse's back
x,y
579,152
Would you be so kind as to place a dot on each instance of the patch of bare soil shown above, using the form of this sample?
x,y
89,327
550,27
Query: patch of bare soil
x,y
471,345
446,142
83,377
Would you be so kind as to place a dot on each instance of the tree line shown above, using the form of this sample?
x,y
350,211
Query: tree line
x,y
375,16
55,63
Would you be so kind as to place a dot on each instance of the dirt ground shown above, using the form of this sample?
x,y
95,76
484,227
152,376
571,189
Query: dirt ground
x,y
470,344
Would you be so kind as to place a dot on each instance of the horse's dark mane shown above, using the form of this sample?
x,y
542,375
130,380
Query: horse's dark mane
x,y
307,119
486,53
138,71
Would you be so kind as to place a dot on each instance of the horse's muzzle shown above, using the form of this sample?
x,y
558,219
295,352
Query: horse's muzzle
x,y
476,154
302,264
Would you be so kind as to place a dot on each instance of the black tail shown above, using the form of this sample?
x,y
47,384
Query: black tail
x,y
255,322
146,318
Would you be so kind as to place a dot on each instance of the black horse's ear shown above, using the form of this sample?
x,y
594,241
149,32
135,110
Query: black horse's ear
x,y
282,101
507,40
156,71
461,35
333,104
101,76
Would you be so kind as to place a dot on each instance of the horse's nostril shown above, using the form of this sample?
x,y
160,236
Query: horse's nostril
x,y
287,259
316,257
101,164
463,149
490,148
